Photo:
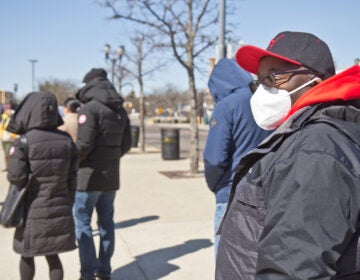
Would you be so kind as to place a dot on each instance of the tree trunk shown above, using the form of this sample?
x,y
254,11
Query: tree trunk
x,y
142,117
194,128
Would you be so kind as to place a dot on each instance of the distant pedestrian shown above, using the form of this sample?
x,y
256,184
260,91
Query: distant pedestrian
x,y
50,164
233,131
7,138
71,107
104,136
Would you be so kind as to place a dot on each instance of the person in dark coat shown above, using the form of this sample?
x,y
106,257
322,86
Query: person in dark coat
x,y
49,166
104,136
294,208
233,131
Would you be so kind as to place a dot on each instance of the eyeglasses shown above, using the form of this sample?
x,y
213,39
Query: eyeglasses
x,y
269,81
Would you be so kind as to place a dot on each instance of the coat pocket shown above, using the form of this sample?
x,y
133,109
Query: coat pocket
x,y
253,197
241,230
248,213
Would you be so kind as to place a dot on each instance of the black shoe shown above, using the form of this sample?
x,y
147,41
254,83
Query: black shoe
x,y
103,278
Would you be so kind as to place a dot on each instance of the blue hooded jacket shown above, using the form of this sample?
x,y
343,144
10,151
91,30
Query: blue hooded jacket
x,y
233,131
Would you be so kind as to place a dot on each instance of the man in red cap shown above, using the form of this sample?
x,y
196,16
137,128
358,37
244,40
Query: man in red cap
x,y
294,207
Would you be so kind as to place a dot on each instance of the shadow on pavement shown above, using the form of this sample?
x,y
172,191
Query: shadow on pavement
x,y
135,151
129,223
154,265
133,222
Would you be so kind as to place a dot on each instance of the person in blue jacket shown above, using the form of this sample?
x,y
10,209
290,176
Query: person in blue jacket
x,y
233,131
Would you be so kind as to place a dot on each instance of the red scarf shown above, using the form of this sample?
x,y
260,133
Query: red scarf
x,y
343,86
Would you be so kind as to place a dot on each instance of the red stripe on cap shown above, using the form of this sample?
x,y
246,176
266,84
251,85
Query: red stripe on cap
x,y
273,41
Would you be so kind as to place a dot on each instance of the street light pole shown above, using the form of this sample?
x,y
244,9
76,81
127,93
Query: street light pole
x,y
221,48
33,61
113,62
121,52
114,57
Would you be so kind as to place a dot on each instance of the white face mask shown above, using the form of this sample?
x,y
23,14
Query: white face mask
x,y
269,107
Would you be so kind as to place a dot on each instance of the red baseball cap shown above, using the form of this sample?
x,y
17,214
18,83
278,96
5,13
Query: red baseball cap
x,y
298,48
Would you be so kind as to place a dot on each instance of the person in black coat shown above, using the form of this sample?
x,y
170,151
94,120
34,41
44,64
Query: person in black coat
x,y
294,207
49,166
104,136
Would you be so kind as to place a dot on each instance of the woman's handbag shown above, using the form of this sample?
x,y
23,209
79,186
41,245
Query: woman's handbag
x,y
12,212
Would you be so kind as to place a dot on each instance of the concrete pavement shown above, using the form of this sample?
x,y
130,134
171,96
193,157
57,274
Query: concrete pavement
x,y
164,224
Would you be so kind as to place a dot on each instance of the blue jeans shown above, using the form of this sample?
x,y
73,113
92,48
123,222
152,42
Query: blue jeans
x,y
103,202
219,214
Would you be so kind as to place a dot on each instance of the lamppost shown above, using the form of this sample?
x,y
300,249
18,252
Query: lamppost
x,y
221,48
33,61
113,57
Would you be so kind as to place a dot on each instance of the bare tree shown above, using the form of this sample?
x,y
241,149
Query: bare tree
x,y
144,46
61,88
184,27
166,97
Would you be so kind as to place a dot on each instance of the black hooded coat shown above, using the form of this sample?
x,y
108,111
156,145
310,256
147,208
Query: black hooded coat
x,y
51,165
104,136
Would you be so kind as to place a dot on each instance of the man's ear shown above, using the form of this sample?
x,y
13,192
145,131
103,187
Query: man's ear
x,y
317,81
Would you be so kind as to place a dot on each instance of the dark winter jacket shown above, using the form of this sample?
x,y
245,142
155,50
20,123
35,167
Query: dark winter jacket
x,y
295,202
51,165
104,136
233,131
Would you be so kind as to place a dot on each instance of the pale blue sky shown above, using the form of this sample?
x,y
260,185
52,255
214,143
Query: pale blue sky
x,y
67,36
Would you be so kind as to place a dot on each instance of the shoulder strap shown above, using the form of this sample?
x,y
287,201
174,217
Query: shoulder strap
x,y
24,144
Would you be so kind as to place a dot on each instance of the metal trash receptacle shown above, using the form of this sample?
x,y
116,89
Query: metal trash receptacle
x,y
135,130
170,144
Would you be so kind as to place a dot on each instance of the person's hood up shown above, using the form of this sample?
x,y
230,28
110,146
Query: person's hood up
x,y
37,110
101,90
226,77
344,86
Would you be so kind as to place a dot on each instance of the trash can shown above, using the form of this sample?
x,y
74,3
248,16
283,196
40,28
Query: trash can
x,y
134,135
170,145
